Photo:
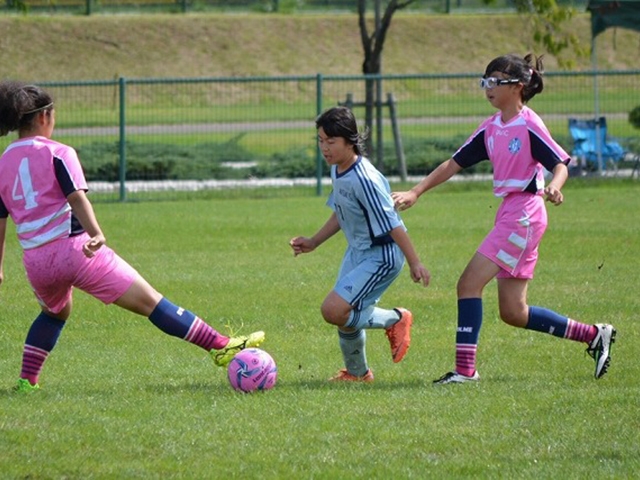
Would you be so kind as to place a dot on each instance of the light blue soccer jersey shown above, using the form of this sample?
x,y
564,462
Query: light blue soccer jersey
x,y
361,199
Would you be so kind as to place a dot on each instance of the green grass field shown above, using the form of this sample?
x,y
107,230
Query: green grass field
x,y
119,399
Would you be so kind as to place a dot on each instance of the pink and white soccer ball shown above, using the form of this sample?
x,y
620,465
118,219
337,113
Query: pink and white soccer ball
x,y
252,369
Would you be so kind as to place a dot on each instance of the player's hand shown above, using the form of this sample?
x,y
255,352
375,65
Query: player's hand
x,y
93,245
302,245
419,274
553,195
404,200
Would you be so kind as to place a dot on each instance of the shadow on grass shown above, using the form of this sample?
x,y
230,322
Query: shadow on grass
x,y
378,384
288,384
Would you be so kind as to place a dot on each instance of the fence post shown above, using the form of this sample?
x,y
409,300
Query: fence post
x,y
319,159
349,101
402,164
122,170
379,127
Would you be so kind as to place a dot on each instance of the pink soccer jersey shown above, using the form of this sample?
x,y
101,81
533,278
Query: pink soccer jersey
x,y
518,151
36,175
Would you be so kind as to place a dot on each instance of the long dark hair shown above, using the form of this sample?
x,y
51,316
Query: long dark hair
x,y
19,105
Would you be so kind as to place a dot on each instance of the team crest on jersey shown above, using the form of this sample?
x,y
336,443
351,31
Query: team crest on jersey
x,y
515,145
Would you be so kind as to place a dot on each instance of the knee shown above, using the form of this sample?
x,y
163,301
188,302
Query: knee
x,y
62,315
514,315
467,289
328,314
332,315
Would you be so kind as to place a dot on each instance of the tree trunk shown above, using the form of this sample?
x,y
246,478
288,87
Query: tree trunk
x,y
372,46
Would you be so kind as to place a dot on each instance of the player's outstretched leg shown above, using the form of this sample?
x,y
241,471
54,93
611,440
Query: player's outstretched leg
x,y
224,355
181,323
600,348
399,335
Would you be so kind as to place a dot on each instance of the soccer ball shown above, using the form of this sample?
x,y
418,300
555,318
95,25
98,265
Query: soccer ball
x,y
252,369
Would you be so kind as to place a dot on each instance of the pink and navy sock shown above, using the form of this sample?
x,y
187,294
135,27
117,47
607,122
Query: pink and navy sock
x,y
41,339
580,332
469,323
548,321
181,323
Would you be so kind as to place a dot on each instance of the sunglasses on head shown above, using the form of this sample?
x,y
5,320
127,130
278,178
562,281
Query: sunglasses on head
x,y
492,82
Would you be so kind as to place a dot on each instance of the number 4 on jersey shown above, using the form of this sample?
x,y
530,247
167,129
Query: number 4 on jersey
x,y
23,184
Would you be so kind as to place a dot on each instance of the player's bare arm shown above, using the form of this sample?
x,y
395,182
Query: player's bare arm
x,y
418,271
553,191
309,244
441,174
83,210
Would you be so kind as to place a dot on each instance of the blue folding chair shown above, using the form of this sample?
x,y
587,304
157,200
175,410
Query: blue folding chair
x,y
585,144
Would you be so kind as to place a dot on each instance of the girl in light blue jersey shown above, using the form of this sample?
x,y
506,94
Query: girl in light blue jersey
x,y
377,247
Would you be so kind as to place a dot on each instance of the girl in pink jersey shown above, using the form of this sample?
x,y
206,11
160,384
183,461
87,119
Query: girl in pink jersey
x,y
43,189
519,146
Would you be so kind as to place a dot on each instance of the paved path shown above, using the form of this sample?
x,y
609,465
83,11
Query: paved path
x,y
197,185
275,125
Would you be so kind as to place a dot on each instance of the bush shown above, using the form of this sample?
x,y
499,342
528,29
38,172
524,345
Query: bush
x,y
294,163
634,117
230,160
145,161
423,155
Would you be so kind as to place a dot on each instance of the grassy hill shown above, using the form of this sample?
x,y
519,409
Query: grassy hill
x,y
43,48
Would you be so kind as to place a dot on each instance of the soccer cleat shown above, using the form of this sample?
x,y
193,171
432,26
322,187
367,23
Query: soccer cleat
x,y
455,377
344,376
223,356
25,386
600,348
399,335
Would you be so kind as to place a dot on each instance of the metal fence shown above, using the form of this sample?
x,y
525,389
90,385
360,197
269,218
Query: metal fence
x,y
166,138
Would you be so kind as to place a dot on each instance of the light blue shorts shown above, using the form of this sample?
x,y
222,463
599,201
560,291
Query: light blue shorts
x,y
366,274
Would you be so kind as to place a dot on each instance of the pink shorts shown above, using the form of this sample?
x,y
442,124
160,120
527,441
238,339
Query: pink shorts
x,y
520,223
55,268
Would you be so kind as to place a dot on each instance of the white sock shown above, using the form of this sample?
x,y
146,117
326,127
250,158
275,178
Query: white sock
x,y
353,349
373,317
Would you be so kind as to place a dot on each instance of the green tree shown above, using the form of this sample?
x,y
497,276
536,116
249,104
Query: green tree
x,y
549,24
18,5
547,21
372,45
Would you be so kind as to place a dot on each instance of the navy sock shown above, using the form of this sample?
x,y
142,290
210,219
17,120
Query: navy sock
x,y
547,321
467,334
469,320
42,337
171,319
44,332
